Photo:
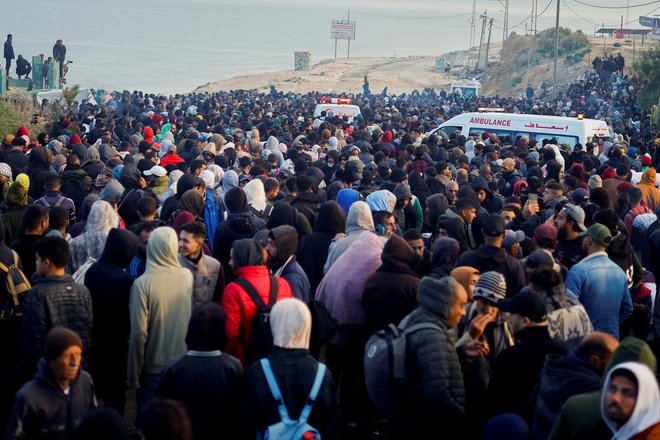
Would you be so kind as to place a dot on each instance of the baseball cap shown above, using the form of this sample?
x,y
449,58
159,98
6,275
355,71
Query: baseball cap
x,y
600,233
493,226
576,214
527,304
546,235
512,237
491,287
539,258
578,195
156,170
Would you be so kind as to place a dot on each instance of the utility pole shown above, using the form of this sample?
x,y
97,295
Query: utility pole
x,y
490,30
505,30
484,18
473,23
554,75
535,15
348,54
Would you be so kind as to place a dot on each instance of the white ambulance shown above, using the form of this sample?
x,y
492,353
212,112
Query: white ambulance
x,y
342,107
508,126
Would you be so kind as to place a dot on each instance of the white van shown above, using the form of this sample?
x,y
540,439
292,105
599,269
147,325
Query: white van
x,y
341,107
508,126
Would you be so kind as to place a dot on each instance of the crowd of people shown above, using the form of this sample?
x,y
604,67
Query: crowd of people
x,y
229,257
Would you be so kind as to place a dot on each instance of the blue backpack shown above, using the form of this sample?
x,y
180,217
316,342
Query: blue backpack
x,y
288,429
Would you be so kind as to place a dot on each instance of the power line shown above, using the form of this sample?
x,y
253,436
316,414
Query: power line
x,y
579,16
617,7
399,17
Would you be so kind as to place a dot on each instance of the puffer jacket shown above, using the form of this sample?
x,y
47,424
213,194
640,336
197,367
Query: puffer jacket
x,y
54,301
507,181
435,395
240,308
43,411
208,279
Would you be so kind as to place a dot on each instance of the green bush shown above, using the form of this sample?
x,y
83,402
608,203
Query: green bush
x,y
647,78
516,80
14,114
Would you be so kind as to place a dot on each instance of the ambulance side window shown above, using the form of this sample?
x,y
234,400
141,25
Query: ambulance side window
x,y
449,130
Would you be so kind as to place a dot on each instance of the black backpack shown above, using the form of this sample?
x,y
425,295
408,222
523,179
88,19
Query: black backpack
x,y
74,190
261,337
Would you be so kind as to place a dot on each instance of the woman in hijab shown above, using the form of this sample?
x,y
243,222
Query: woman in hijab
x,y
285,214
419,188
313,250
12,215
444,254
91,163
346,197
229,181
185,182
240,223
256,198
295,371
192,202
110,287
382,200
89,246
436,205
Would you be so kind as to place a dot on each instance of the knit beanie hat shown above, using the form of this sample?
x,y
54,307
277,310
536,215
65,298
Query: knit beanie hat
x,y
595,181
491,287
286,239
402,192
59,339
206,328
5,170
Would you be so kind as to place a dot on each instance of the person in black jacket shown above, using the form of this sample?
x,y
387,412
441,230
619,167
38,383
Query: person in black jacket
x,y
434,397
391,292
53,403
313,249
517,369
207,381
109,286
281,247
8,53
294,370
37,169
579,372
134,189
307,202
240,223
54,300
491,256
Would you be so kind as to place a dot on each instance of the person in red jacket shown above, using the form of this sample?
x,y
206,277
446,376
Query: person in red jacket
x,y
171,157
248,261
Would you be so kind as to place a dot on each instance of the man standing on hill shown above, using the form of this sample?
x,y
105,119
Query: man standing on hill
x,y
59,53
9,53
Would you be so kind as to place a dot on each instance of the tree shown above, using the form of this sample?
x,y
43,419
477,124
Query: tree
x,y
647,77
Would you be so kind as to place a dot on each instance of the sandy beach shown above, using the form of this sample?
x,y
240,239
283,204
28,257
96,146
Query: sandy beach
x,y
345,75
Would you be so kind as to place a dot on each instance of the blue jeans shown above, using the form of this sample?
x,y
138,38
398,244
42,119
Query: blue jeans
x,y
148,390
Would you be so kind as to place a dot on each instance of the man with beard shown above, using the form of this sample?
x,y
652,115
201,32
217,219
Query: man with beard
x,y
570,223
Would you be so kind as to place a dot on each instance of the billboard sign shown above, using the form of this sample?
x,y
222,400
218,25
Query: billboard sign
x,y
650,22
342,30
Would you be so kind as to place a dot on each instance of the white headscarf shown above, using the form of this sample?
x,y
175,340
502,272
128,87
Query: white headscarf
x,y
256,195
291,324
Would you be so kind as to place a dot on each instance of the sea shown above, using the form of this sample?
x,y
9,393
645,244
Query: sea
x,y
174,46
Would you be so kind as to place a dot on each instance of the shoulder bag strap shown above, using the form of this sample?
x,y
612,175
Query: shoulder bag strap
x,y
272,299
252,293
60,200
275,390
307,409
